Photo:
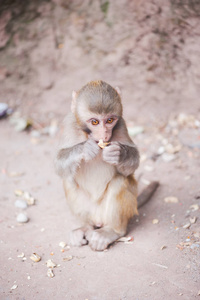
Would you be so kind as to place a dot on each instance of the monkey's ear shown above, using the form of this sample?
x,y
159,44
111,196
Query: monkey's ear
x,y
118,90
73,104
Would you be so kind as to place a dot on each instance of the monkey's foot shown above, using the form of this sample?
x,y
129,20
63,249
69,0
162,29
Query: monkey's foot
x,y
100,239
77,238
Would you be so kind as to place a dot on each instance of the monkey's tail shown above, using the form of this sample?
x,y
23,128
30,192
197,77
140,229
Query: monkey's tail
x,y
147,193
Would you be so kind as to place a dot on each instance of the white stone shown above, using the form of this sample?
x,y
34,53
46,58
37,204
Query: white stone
x,y
22,218
20,204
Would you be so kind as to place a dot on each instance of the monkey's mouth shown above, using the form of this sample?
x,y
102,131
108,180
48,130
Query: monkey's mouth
x,y
103,144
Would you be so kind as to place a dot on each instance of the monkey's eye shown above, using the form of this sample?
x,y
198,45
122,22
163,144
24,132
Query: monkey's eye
x,y
95,122
110,120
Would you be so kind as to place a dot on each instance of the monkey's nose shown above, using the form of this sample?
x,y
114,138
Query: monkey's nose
x,y
105,139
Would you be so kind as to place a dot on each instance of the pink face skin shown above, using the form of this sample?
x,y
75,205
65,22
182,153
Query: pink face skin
x,y
101,127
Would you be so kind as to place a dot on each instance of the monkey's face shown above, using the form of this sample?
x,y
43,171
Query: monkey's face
x,y
101,127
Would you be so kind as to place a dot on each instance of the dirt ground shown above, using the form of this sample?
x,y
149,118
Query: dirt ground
x,y
151,51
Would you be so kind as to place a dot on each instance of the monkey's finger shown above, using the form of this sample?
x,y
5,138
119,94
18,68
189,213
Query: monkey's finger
x,y
111,150
113,158
113,147
112,154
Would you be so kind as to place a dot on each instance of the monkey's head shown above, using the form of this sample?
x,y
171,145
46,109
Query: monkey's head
x,y
97,108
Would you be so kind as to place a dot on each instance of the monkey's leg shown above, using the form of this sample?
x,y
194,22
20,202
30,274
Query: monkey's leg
x,y
118,206
78,204
100,239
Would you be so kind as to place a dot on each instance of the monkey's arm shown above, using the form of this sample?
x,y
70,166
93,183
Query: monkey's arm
x,y
74,147
68,159
122,152
129,159
124,157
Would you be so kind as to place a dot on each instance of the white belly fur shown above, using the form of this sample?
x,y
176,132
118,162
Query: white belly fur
x,y
93,177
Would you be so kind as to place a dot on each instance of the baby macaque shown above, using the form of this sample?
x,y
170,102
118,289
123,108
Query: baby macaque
x,y
97,160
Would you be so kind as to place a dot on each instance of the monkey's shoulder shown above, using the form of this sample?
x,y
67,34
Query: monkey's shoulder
x,y
120,132
71,133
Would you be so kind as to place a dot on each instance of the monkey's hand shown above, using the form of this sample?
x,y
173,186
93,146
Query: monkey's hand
x,y
124,157
90,149
111,153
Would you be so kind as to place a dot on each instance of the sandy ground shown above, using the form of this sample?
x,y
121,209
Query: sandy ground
x,y
46,59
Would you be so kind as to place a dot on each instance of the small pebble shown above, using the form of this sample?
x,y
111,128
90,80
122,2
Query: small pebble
x,y
193,246
14,287
161,150
50,273
35,257
168,157
51,264
193,220
22,218
21,204
155,221
149,168
35,134
62,244
171,199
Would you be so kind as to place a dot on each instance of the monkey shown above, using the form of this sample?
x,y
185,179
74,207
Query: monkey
x,y
97,159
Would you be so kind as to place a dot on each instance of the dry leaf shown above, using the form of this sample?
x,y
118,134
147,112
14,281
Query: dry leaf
x,y
68,258
186,244
21,255
159,265
50,273
20,123
15,174
163,247
155,221
35,257
193,220
172,149
196,235
62,244
29,199
126,239
51,264
186,226
18,193
171,199
180,247
14,287
26,196
194,207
